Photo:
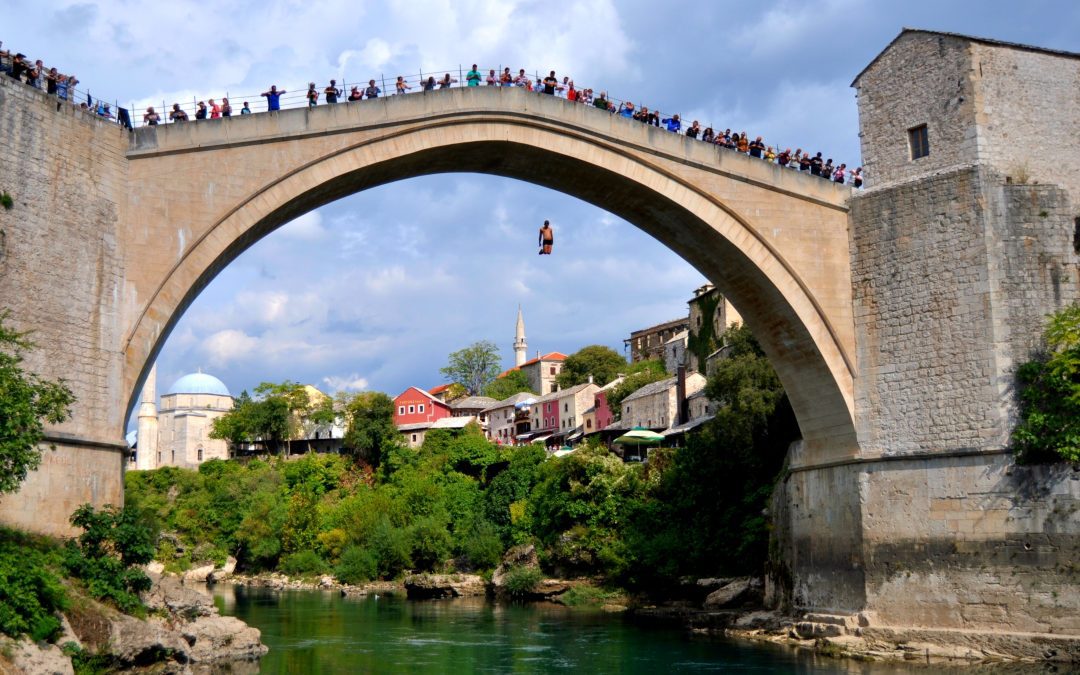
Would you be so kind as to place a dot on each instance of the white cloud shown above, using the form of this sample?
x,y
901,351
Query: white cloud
x,y
225,347
351,382
308,227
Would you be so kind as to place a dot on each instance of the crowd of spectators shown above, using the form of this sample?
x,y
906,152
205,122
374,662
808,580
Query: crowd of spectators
x,y
35,73
63,86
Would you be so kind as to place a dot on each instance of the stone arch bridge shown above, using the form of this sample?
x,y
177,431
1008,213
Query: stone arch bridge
x,y
114,234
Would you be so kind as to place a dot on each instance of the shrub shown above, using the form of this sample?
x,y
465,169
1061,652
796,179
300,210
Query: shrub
x,y
107,555
30,594
483,546
357,565
1049,428
589,596
429,543
520,581
391,548
303,564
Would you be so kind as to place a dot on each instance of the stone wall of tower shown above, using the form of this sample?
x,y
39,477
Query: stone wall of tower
x,y
1009,108
61,277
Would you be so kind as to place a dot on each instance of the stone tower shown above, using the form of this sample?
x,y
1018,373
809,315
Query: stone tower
x,y
520,348
146,453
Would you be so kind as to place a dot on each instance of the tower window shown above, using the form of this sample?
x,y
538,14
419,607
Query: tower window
x,y
918,142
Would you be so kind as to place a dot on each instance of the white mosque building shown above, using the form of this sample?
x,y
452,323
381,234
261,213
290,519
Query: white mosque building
x,y
179,434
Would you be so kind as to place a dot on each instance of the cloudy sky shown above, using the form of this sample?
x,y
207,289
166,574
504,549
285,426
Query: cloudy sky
x,y
373,291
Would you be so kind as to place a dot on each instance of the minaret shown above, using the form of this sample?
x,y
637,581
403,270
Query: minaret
x,y
146,457
519,340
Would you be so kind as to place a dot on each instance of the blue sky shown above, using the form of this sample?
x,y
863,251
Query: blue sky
x,y
373,291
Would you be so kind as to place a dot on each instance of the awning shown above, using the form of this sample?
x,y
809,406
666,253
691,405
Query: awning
x,y
575,434
686,426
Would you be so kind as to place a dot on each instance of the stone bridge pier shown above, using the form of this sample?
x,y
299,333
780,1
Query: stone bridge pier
x,y
895,317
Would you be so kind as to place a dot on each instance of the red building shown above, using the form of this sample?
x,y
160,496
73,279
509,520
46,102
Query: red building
x,y
604,416
414,405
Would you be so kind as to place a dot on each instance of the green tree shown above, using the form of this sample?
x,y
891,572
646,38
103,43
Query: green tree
x,y
640,374
370,431
108,555
236,426
1049,427
603,363
513,382
473,367
295,400
27,402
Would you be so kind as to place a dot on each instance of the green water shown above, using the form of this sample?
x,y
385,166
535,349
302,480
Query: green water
x,y
313,632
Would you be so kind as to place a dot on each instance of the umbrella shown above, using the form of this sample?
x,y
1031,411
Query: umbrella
x,y
639,436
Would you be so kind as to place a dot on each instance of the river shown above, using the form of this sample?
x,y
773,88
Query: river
x,y
316,632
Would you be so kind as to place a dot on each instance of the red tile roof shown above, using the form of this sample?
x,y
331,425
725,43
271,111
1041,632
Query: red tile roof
x,y
439,389
552,356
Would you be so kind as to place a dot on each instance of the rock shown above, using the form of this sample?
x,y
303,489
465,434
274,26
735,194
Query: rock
x,y
225,571
444,585
198,575
711,584
222,638
759,621
549,588
141,642
29,657
67,633
327,582
155,567
810,630
729,595
522,555
169,595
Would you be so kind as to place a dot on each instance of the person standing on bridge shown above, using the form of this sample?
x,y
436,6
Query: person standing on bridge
x,y
400,85
547,238
312,95
273,98
372,91
473,77
550,82
332,92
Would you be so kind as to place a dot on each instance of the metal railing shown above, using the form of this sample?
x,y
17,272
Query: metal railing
x,y
297,97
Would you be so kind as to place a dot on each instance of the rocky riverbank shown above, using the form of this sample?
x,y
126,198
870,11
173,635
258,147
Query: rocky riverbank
x,y
182,632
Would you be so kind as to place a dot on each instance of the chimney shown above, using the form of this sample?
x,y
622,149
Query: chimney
x,y
680,395
590,379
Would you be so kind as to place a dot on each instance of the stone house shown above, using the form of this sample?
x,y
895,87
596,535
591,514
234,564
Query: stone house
x,y
502,418
648,343
656,405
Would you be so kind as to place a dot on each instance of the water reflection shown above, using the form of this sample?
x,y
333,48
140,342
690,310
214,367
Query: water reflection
x,y
316,632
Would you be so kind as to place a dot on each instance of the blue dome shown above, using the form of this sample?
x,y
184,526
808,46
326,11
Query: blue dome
x,y
199,383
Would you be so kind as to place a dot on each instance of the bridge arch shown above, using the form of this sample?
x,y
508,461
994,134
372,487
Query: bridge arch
x,y
313,164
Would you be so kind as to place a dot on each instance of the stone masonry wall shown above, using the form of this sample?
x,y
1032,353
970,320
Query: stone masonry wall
x,y
1026,111
974,543
920,278
1007,108
60,277
953,276
922,79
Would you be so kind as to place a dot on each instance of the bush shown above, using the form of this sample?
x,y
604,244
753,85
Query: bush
x,y
589,596
1049,428
429,543
391,548
303,564
357,565
30,594
107,555
483,546
520,581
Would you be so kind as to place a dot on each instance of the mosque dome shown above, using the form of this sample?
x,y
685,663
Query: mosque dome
x,y
199,383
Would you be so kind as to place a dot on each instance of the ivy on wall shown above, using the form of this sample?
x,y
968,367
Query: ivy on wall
x,y
702,339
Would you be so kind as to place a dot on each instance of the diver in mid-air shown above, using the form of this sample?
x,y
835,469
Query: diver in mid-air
x,y
547,238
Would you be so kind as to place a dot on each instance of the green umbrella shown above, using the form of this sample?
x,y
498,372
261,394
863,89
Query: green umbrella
x,y
639,436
